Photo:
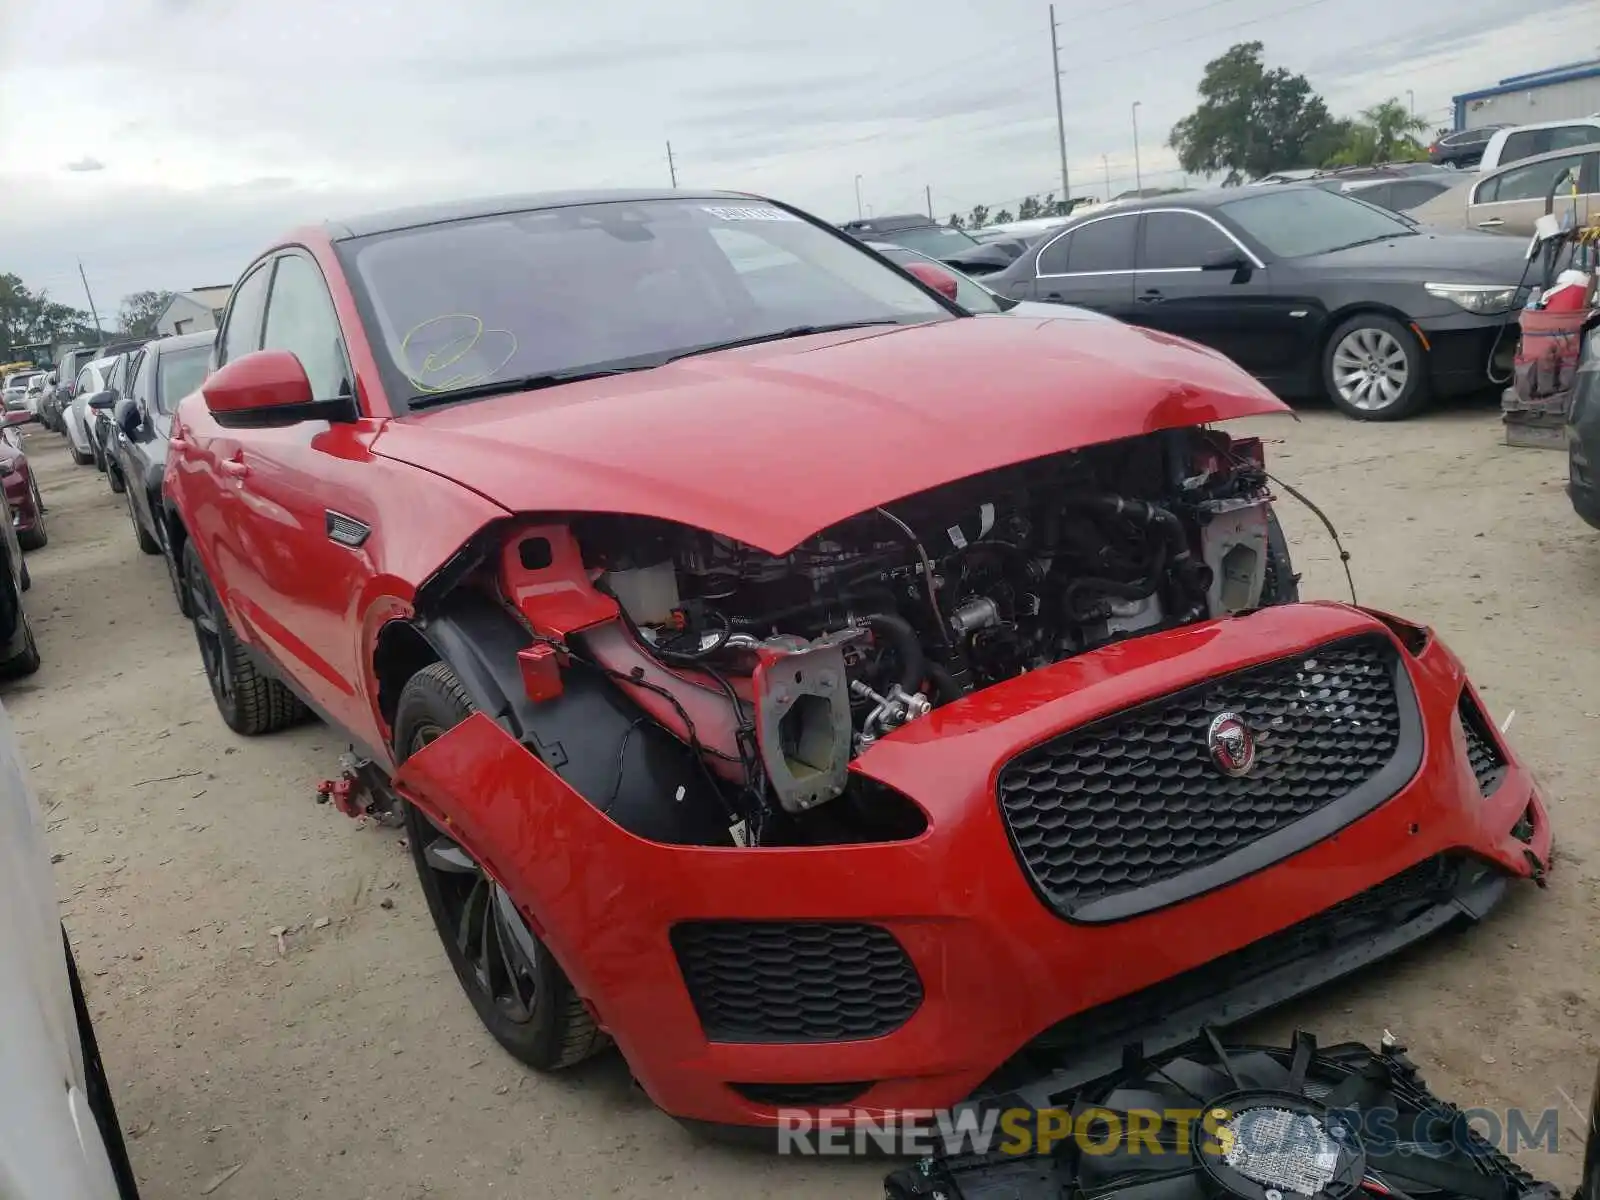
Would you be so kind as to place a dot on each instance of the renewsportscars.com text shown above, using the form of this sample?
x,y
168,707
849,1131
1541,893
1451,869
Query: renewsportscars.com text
x,y
920,1132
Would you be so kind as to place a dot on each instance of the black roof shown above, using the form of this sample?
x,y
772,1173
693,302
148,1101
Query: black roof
x,y
489,206
889,224
183,341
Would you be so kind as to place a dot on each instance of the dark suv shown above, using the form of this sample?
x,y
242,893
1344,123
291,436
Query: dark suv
x,y
1463,148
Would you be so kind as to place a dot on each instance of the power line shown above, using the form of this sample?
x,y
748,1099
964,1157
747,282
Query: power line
x,y
1148,50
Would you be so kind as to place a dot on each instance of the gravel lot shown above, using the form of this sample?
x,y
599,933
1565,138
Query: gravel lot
x,y
346,1063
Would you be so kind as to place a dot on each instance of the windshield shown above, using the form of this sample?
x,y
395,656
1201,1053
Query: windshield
x,y
934,240
969,295
467,304
181,372
1303,221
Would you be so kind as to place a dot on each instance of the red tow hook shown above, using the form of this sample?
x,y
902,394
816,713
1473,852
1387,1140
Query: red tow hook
x,y
362,790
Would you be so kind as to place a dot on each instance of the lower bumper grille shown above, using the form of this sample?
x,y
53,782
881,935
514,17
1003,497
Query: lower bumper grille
x,y
795,981
1354,933
1135,807
1488,764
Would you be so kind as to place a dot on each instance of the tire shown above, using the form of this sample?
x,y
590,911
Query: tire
x,y
25,576
1282,585
38,537
146,543
114,478
96,1085
27,662
1374,369
250,701
97,456
516,986
82,459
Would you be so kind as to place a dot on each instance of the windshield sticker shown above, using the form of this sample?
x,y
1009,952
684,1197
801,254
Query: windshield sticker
x,y
747,212
454,350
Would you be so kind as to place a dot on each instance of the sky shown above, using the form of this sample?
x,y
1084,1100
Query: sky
x,y
165,142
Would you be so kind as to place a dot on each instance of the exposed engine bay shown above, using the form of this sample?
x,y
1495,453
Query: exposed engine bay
x,y
778,670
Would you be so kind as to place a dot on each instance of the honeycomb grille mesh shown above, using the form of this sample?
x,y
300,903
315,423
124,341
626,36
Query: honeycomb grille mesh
x,y
1488,764
795,981
1134,799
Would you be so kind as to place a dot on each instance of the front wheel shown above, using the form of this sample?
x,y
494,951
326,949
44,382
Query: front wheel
x,y
36,537
1374,369
250,702
114,477
520,993
146,543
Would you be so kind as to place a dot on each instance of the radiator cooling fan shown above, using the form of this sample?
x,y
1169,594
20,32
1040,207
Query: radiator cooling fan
x,y
1243,1123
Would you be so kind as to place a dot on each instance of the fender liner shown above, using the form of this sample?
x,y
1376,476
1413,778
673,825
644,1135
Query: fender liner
x,y
598,741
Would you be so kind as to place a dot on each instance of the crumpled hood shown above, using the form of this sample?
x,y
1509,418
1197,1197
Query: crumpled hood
x,y
770,444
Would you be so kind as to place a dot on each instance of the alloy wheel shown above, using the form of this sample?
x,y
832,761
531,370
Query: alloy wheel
x,y
489,932
207,617
1370,369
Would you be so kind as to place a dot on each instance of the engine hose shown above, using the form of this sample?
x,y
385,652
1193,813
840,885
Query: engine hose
x,y
896,632
1142,512
1137,590
943,682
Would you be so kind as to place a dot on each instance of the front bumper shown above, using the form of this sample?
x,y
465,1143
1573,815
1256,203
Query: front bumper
x,y
995,970
1460,349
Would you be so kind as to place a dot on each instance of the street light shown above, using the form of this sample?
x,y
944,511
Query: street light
x,y
1138,176
1412,97
858,197
1105,165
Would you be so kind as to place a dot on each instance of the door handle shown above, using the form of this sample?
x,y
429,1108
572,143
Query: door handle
x,y
1150,297
1052,295
234,467
1491,223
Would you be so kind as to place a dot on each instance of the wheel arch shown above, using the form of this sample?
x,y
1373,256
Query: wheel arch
x,y
1355,308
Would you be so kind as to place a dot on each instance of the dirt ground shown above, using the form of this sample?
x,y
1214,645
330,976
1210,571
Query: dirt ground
x,y
346,1063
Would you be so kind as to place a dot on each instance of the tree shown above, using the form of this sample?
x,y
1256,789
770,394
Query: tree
x,y
140,311
1029,208
979,216
1252,121
1003,217
1386,132
26,318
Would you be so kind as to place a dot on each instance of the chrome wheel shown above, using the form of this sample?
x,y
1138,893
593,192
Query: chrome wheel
x,y
1370,369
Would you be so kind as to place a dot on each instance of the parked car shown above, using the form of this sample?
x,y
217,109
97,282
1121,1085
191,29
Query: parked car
x,y
1511,199
19,653
1464,148
1398,195
22,492
956,247
743,632
168,370
1583,434
62,381
1299,286
14,390
97,414
90,380
1525,141
60,1137
36,389
971,295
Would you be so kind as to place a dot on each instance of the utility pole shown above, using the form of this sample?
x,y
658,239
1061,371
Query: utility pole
x,y
1138,176
672,167
928,189
92,312
1105,163
1412,97
859,213
1061,120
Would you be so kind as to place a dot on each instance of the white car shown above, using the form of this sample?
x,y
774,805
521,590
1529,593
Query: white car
x,y
76,417
59,1136
1524,141
14,390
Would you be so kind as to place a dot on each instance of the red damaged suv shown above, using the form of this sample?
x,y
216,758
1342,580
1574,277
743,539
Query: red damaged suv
x,y
826,695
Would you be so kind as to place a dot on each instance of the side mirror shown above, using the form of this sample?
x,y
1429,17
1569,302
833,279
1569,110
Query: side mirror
x,y
268,387
126,416
940,281
1227,260
103,399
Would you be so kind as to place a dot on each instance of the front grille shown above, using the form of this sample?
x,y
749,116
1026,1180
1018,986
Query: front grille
x,y
795,981
1488,764
801,1095
1134,800
1358,920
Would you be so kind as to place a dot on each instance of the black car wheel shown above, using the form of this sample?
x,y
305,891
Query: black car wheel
x,y
175,573
96,455
520,993
26,661
114,477
38,537
1374,369
250,702
146,543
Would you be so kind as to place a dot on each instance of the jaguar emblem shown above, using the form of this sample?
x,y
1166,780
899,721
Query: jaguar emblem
x,y
1231,745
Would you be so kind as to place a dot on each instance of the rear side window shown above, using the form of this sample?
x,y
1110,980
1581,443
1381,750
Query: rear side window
x,y
1523,144
182,371
1382,195
1406,196
1570,137
1106,245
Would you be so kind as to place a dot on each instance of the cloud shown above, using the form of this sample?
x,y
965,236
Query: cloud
x,y
85,164
268,116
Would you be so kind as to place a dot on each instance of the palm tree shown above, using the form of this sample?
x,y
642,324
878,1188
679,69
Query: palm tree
x,y
1385,132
